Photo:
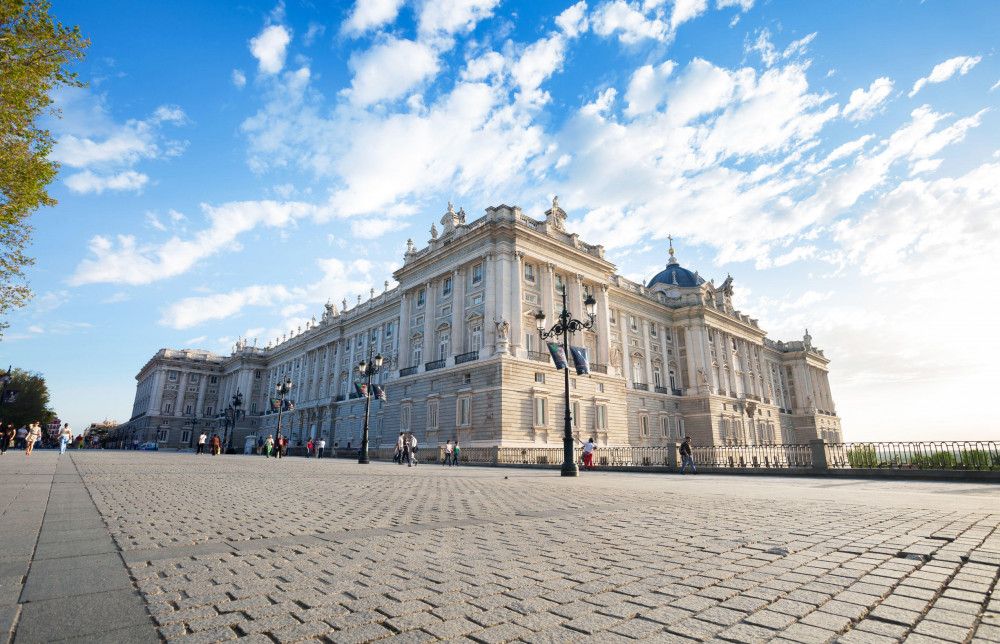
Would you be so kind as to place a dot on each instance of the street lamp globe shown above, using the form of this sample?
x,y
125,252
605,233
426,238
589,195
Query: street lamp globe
x,y
378,361
540,321
589,304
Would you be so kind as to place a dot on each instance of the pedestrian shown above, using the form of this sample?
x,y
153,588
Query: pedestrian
x,y
22,437
215,445
65,436
686,457
7,435
268,446
448,452
454,458
260,445
135,444
320,446
201,443
400,448
278,445
34,433
309,448
413,450
588,454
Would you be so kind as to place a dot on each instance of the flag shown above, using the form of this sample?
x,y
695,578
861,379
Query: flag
x,y
558,355
289,405
378,391
580,360
10,396
361,389
275,404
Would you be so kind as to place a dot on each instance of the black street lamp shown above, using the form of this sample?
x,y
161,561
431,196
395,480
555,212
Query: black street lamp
x,y
367,369
282,389
564,327
194,429
232,415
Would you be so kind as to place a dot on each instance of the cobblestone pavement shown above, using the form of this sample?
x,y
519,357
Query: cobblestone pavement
x,y
299,549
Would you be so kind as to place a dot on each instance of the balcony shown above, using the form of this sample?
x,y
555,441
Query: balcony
x,y
641,386
541,356
599,368
437,364
676,392
466,357
340,398
407,371
753,397
662,390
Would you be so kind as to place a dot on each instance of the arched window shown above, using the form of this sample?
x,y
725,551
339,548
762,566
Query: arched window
x,y
444,344
418,350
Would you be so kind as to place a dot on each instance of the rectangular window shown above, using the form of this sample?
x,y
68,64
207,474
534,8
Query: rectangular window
x,y
374,336
540,378
185,435
529,272
530,298
477,273
477,338
172,375
388,329
432,414
161,435
476,299
576,415
644,425
613,317
188,409
420,297
601,417
213,380
560,283
632,323
665,425
194,377
541,412
404,418
464,411
600,387
529,341
447,286
253,407
208,411
256,375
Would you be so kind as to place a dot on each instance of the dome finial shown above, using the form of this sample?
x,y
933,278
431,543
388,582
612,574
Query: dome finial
x,y
673,260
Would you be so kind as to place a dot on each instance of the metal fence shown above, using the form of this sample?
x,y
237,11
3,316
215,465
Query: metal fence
x,y
931,455
815,456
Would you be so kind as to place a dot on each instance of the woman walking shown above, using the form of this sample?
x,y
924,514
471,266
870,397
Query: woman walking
x,y
65,436
34,433
6,437
268,446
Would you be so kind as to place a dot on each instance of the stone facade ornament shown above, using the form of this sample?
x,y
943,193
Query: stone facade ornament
x,y
434,231
555,216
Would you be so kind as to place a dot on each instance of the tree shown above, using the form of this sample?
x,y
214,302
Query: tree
x,y
32,402
34,54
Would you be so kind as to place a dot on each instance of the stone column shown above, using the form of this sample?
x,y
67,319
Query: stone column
x,y
403,332
648,354
603,327
457,312
430,315
516,305
548,299
690,348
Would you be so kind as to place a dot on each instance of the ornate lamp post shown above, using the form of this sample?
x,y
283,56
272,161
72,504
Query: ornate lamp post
x,y
229,418
564,327
282,389
367,369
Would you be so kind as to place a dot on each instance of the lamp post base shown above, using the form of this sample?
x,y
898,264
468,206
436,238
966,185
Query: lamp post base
x,y
569,467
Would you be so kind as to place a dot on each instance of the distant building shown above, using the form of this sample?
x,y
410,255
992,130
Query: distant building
x,y
464,360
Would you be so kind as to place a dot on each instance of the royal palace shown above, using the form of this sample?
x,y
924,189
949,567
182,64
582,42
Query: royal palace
x,y
463,358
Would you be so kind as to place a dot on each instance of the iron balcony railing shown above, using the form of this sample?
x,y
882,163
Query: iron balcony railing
x,y
929,455
541,356
407,371
437,364
466,357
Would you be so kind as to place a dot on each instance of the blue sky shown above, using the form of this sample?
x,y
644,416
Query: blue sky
x,y
230,168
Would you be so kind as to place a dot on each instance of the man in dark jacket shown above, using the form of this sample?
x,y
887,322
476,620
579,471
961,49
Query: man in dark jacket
x,y
686,458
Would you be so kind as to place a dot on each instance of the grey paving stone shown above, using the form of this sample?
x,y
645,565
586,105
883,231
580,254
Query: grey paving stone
x,y
75,581
88,615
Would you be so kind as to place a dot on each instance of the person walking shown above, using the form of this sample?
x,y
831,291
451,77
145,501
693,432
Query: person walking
x,y
268,446
454,456
588,454
34,433
278,444
260,445
7,435
65,436
686,457
215,445
201,443
22,437
448,452
320,446
401,448
309,448
413,450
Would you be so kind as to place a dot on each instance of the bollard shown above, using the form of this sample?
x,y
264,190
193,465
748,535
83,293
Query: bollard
x,y
818,447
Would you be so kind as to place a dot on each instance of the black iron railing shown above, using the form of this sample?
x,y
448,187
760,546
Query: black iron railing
x,y
541,356
437,364
407,371
466,357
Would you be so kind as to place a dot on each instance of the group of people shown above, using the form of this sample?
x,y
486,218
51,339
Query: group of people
x,y
273,447
214,444
406,450
315,447
30,435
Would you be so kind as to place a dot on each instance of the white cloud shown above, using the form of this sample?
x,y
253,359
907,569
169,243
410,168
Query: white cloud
x,y
631,25
268,47
995,85
124,261
864,104
648,88
239,78
573,20
315,31
370,14
685,10
447,17
88,182
943,71
389,70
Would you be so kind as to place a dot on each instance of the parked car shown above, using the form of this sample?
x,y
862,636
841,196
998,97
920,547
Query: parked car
x,y
152,446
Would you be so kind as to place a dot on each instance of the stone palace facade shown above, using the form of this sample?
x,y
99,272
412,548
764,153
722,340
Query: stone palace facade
x,y
464,360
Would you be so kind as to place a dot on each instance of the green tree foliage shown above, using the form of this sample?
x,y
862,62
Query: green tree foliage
x,y
35,52
32,404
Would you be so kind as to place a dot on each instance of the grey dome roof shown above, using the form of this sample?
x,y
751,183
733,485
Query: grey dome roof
x,y
676,275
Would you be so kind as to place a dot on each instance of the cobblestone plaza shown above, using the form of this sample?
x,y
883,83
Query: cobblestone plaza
x,y
133,546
